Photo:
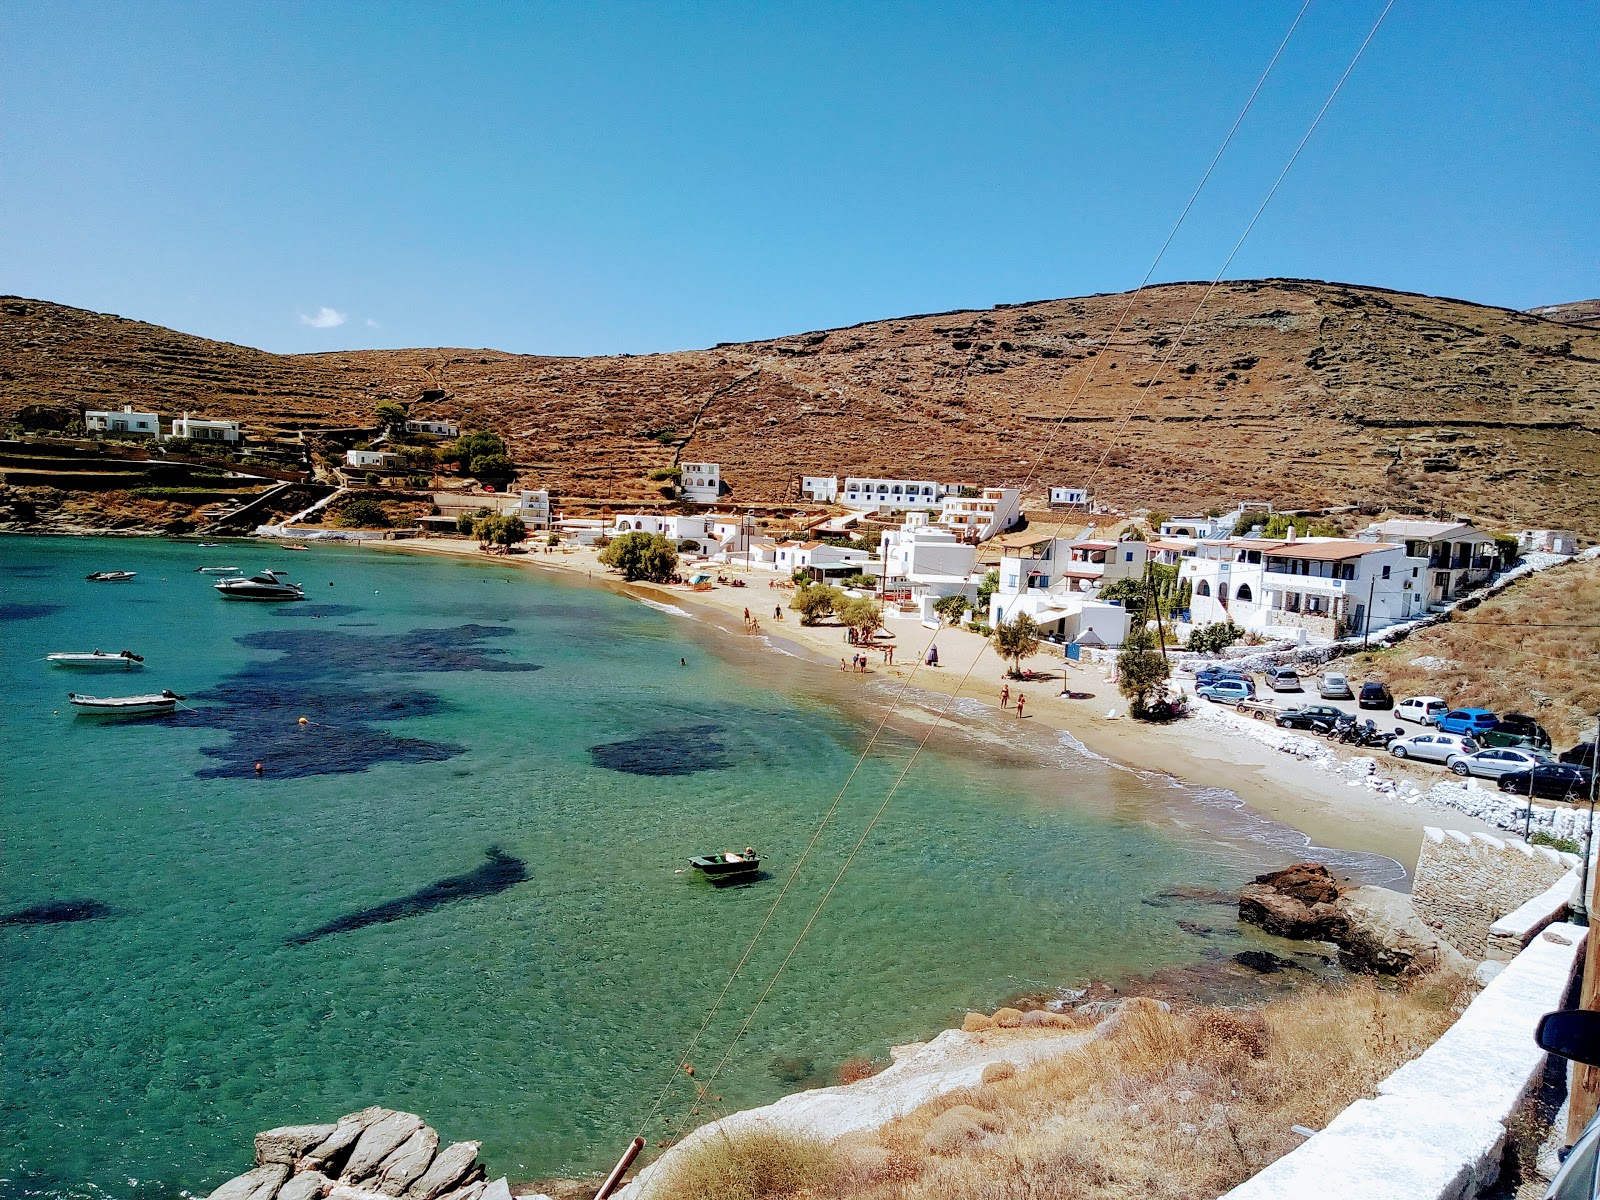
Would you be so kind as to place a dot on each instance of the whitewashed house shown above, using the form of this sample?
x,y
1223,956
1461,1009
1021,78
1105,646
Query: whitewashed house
x,y
127,421
675,526
1460,558
198,430
700,482
1297,587
438,428
923,562
889,495
820,560
1547,541
1069,497
533,506
373,460
1202,526
978,518
820,489
1040,578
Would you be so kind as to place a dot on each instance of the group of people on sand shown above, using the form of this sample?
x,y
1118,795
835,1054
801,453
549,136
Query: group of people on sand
x,y
751,625
1005,699
857,663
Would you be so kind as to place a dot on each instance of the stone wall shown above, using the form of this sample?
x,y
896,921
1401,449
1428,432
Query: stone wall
x,y
1465,883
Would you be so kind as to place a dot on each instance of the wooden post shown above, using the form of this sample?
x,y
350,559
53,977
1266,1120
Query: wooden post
x,y
1584,1086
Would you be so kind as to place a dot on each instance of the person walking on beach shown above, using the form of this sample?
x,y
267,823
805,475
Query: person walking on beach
x,y
1005,695
747,614
1021,700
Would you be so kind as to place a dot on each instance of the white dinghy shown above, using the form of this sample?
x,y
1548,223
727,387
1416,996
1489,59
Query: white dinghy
x,y
158,703
125,660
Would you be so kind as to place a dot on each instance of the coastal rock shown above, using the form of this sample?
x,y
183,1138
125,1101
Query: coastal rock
x,y
1297,902
330,1154
498,1190
261,1183
450,1167
288,1143
407,1164
306,1185
472,1191
1384,937
377,1142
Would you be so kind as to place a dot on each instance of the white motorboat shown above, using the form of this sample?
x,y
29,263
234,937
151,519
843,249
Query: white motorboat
x,y
110,576
125,660
217,570
269,585
125,706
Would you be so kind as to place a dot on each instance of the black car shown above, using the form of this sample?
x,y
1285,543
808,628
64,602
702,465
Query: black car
x,y
1581,755
1308,715
1374,695
1516,729
1550,781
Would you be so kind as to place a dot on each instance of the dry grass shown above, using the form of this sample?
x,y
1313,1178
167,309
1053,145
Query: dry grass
x,y
1165,1106
1548,673
746,1166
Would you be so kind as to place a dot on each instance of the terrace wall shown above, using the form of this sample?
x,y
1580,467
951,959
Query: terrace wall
x,y
1465,883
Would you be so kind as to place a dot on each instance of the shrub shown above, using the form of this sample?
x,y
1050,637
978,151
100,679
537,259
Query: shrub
x,y
959,1129
756,1164
639,555
363,513
951,608
860,581
1214,638
1565,844
996,1071
986,589
490,466
666,475
815,602
854,1070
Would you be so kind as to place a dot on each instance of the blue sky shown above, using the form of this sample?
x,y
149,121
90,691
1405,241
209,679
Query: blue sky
x,y
599,178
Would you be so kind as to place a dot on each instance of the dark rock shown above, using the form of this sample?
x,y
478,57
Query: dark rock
x,y
450,1166
1288,917
1310,883
1265,962
289,1143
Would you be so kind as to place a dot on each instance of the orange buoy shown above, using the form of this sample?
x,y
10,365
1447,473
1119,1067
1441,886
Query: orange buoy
x,y
305,721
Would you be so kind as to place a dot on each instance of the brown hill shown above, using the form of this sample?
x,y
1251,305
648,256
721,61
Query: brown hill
x,y
1297,391
1576,312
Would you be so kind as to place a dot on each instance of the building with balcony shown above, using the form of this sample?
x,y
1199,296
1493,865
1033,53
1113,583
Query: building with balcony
x,y
534,508
820,489
198,430
700,482
126,423
978,518
889,495
1460,558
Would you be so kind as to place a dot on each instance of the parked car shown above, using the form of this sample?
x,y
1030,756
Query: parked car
x,y
1581,755
1227,691
1495,762
1284,679
1550,781
1424,710
1466,720
1215,671
1516,729
1308,715
1432,747
1334,686
1374,695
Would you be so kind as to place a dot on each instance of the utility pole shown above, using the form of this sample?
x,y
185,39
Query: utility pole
x,y
1584,1088
1366,624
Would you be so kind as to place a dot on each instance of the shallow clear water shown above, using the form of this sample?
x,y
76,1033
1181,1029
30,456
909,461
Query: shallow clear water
x,y
146,1046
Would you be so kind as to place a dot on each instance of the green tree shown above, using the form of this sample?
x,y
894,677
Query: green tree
x,y
986,589
364,513
862,615
1142,672
951,609
1017,639
860,580
490,466
1213,638
392,417
511,530
470,446
640,555
467,522
815,601
1155,520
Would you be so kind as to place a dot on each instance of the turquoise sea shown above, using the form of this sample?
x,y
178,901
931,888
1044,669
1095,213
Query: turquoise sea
x,y
258,950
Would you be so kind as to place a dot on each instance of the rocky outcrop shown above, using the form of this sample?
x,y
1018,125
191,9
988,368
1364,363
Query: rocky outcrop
x,y
1374,928
375,1154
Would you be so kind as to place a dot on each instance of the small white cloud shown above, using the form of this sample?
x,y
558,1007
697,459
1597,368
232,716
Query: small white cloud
x,y
325,318
371,324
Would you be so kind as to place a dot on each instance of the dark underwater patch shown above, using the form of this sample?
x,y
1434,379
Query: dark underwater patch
x,y
502,871
26,612
58,912
682,751
315,677
315,610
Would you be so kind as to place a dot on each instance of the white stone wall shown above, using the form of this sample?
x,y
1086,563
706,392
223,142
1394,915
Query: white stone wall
x,y
1464,884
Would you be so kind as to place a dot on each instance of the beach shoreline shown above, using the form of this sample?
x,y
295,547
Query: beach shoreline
x,y
1325,807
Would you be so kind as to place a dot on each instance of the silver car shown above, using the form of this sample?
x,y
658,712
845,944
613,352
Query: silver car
x,y
1433,747
1495,762
1334,686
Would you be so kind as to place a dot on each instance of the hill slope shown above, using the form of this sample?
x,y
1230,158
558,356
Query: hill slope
x,y
1292,390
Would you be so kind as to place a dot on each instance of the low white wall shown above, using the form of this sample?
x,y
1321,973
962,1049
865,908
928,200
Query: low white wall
x,y
1516,929
1436,1130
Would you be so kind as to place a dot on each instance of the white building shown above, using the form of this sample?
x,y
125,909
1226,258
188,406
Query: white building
x,y
1069,497
126,421
373,460
534,508
676,526
700,482
1324,587
820,560
197,430
821,489
439,428
978,518
889,495
1460,558
1040,578
1198,527
1548,541
923,562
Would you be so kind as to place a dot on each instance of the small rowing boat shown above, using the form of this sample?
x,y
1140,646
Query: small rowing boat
x,y
726,866
216,570
155,704
209,545
110,576
125,660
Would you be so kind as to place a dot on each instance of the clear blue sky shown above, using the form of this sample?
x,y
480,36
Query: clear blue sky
x,y
595,178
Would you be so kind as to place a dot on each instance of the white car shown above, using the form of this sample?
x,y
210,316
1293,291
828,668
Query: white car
x,y
1433,747
1424,710
1496,761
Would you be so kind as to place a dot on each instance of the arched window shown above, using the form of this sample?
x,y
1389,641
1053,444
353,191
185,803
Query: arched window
x,y
1244,593
1222,593
1204,589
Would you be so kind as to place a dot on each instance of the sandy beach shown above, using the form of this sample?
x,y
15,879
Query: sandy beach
x,y
1305,797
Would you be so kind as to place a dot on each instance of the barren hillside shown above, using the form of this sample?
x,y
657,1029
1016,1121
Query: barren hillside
x,y
1292,390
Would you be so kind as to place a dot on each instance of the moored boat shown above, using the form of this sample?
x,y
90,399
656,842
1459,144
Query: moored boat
x,y
110,576
216,570
269,585
726,866
154,704
125,660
